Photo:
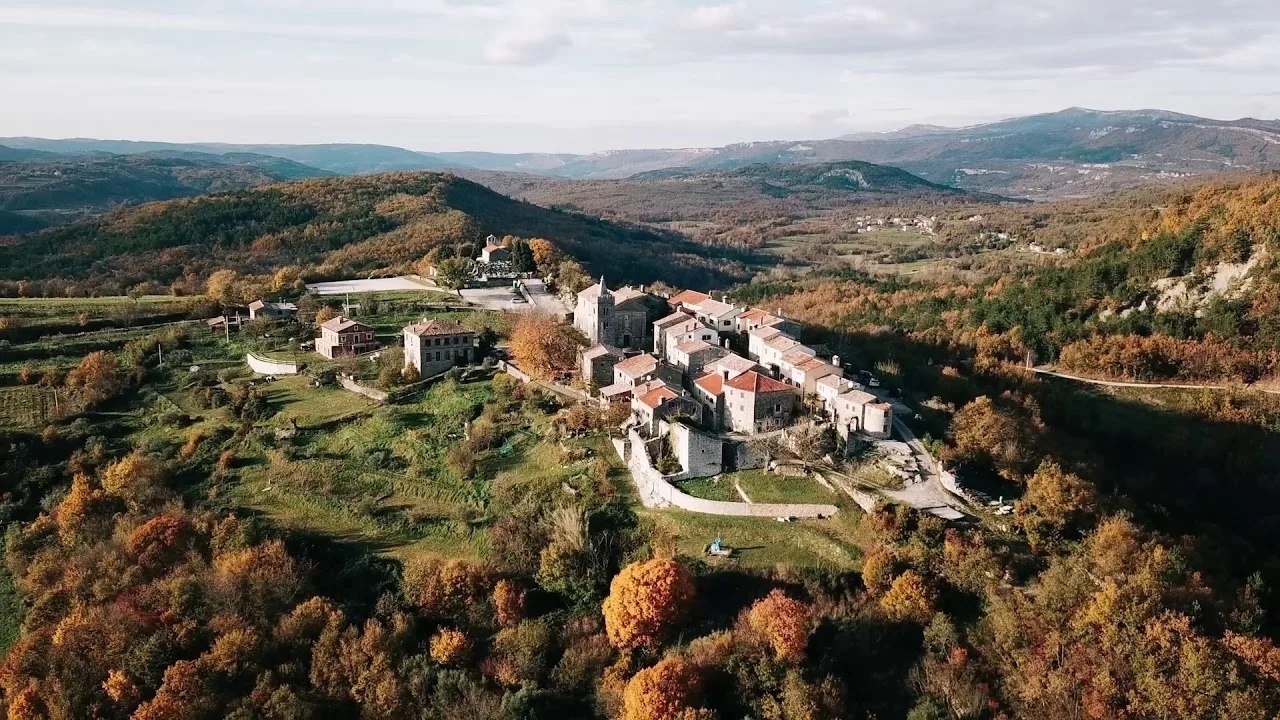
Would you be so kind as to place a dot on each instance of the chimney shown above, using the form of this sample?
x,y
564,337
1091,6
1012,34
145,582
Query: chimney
x,y
726,343
780,313
835,360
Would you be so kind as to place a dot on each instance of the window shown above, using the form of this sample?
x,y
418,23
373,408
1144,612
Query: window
x,y
777,409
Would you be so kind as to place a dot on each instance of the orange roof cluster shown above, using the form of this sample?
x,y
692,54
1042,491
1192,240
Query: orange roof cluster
x,y
688,297
712,383
657,396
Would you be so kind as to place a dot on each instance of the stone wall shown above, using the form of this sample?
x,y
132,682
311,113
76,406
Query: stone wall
x,y
265,366
656,492
700,455
355,387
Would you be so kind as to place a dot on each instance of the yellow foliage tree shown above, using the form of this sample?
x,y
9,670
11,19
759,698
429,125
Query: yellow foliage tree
x,y
508,602
646,600
545,347
909,598
450,647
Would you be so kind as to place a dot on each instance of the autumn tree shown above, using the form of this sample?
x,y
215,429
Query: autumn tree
x,y
1000,433
783,622
325,314
909,598
545,347
668,690
508,602
450,646
96,379
647,600
1055,506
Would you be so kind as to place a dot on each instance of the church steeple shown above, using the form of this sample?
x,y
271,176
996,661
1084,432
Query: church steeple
x,y
604,289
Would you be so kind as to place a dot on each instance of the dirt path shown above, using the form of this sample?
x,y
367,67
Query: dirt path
x,y
1154,386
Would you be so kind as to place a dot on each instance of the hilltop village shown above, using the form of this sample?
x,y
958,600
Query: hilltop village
x,y
705,377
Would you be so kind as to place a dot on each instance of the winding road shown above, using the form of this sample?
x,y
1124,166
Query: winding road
x,y
1154,386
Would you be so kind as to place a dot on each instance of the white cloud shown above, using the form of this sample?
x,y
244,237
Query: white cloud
x,y
524,46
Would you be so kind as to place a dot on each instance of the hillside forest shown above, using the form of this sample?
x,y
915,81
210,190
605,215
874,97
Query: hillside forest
x,y
149,575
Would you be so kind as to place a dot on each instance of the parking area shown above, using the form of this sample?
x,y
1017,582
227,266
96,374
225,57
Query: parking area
x,y
341,287
495,298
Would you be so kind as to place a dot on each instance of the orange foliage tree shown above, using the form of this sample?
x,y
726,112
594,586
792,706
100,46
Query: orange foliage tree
x,y
95,379
449,646
909,598
508,602
646,600
545,347
667,690
784,622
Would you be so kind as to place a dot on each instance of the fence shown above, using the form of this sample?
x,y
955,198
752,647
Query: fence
x,y
655,491
267,366
562,390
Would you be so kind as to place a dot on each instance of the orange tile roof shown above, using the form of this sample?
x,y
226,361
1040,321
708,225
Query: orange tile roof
x,y
753,381
638,365
655,397
711,382
691,297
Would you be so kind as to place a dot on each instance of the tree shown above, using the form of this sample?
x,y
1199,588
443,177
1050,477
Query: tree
x,y
545,254
508,602
325,314
998,433
96,379
545,347
784,622
909,599
450,647
646,601
522,260
812,442
454,273
667,690
1055,506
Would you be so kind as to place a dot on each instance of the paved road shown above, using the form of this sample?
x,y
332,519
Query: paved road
x,y
1122,384
536,290
928,495
340,287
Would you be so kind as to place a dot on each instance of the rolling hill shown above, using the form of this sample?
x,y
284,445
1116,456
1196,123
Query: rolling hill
x,y
362,225
50,189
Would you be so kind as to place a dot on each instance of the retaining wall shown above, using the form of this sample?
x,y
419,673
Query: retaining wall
x,y
355,387
265,366
656,492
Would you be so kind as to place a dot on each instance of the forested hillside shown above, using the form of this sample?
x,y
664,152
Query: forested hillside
x,y
343,226
40,189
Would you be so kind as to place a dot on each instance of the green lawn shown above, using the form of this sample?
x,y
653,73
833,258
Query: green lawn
x,y
716,488
763,487
27,407
764,542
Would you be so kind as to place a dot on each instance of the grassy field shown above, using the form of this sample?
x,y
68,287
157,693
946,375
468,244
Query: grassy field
x,y
763,487
25,407
764,542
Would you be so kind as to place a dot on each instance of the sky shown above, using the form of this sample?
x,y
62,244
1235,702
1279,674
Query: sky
x,y
593,75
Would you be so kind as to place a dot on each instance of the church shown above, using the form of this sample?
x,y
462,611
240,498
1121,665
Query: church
x,y
614,318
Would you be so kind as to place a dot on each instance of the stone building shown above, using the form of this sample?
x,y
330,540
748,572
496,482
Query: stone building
x,y
861,412
597,363
433,346
756,403
272,310
619,319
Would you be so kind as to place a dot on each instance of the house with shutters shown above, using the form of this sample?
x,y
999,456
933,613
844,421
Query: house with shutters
x,y
342,336
433,346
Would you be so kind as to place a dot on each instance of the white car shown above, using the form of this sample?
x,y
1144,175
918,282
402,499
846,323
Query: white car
x,y
517,300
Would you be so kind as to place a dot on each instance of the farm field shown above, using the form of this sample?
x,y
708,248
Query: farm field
x,y
25,407
763,542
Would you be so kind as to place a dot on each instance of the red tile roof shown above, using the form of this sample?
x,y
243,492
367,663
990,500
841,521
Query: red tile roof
x,y
753,381
691,297
638,365
656,397
712,383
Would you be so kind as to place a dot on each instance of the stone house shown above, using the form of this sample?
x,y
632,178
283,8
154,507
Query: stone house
x,y
660,327
803,371
343,336
857,411
662,403
494,252
774,349
692,356
272,310
716,314
687,300
731,366
642,368
619,319
683,332
753,318
709,391
756,403
597,362
433,346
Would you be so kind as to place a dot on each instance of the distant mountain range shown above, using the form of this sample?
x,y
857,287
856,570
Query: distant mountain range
x,y
1074,152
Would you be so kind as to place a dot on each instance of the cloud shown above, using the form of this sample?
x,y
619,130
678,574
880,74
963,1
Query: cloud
x,y
524,46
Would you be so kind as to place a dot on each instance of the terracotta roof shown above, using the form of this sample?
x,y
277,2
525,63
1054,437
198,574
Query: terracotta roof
x,y
755,382
765,333
880,406
753,314
714,307
638,365
429,328
657,396
712,383
692,346
785,343
815,363
342,324
858,397
626,294
491,247
672,319
834,381
690,297
257,305
597,351
735,363
771,320
615,389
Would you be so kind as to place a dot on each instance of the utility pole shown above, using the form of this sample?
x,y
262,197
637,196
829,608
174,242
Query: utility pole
x,y
160,352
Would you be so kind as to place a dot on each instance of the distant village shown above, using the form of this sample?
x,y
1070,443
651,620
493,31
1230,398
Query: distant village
x,y
919,223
